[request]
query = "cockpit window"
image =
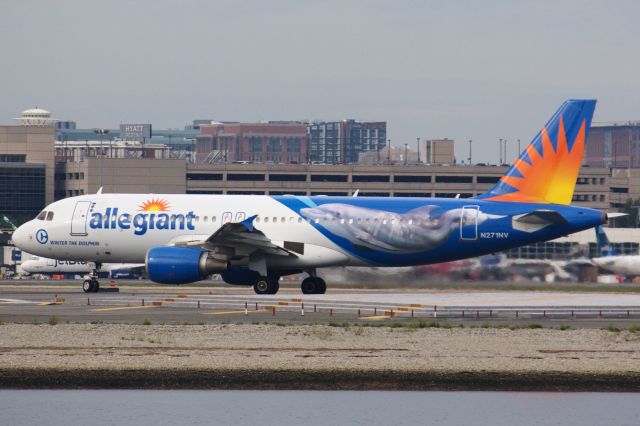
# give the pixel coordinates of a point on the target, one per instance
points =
(50, 216)
(42, 215)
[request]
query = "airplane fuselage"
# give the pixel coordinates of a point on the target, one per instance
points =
(109, 228)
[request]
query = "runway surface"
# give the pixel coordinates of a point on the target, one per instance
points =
(39, 302)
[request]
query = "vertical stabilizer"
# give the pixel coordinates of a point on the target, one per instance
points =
(604, 246)
(547, 169)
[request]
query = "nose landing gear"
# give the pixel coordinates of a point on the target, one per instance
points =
(91, 283)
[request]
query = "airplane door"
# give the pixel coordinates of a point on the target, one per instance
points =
(79, 219)
(469, 223)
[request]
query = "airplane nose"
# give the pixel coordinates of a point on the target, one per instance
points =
(19, 237)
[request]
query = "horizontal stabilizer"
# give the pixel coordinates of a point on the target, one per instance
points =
(536, 220)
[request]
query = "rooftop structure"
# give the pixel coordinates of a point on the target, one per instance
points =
(35, 117)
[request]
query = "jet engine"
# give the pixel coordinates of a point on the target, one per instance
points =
(181, 265)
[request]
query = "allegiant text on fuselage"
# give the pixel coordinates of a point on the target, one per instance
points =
(141, 222)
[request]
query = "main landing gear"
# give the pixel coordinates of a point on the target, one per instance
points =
(269, 284)
(313, 285)
(266, 285)
(91, 283)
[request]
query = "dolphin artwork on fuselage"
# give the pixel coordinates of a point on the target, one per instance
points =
(417, 230)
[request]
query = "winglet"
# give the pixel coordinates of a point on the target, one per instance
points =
(99, 191)
(248, 222)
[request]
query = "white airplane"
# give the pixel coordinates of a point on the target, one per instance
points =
(43, 265)
(628, 265)
(256, 239)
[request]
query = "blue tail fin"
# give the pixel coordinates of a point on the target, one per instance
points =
(547, 169)
(603, 243)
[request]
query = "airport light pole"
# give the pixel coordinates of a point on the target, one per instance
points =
(505, 151)
(470, 151)
(101, 132)
(418, 144)
(500, 150)
(389, 151)
(406, 150)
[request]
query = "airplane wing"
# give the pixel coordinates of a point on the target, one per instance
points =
(237, 240)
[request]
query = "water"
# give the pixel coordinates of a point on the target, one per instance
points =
(310, 408)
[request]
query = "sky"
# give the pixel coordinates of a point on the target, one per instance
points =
(479, 70)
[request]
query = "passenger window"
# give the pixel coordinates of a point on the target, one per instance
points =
(257, 219)
(42, 215)
(213, 218)
(205, 219)
(50, 216)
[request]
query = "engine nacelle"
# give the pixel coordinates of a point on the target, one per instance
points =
(181, 265)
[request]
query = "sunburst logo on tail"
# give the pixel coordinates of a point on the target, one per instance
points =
(550, 174)
(155, 205)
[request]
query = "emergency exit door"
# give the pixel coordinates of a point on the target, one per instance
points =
(469, 223)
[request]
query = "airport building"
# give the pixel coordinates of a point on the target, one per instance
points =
(615, 144)
(124, 175)
(342, 142)
(592, 189)
(437, 151)
(273, 142)
(27, 165)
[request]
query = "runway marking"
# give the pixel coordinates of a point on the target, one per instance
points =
(261, 311)
(519, 299)
(50, 303)
(123, 308)
(17, 302)
(376, 317)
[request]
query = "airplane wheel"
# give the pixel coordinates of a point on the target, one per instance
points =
(96, 286)
(308, 286)
(311, 285)
(87, 286)
(265, 285)
(321, 286)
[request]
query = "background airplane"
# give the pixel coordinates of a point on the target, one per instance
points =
(43, 265)
(255, 240)
(627, 265)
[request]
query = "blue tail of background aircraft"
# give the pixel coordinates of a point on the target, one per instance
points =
(603, 243)
(547, 169)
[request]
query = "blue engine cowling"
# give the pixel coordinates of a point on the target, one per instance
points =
(181, 265)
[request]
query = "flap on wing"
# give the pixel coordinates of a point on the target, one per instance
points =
(536, 220)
